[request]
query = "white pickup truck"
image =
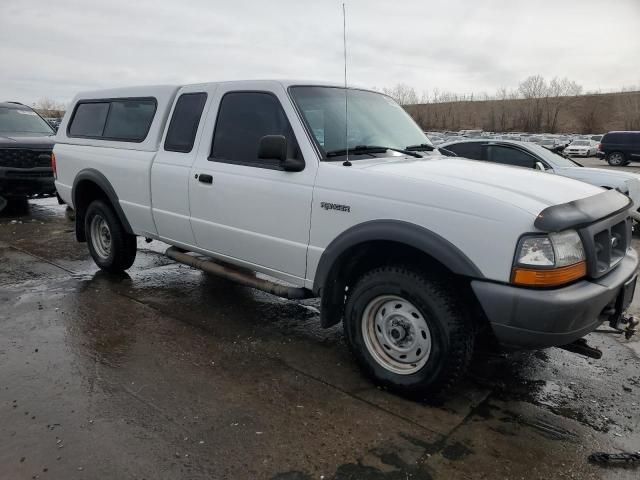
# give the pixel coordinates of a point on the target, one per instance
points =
(415, 253)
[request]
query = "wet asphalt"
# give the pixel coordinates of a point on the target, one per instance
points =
(168, 373)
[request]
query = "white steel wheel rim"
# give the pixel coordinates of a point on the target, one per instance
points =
(100, 236)
(396, 334)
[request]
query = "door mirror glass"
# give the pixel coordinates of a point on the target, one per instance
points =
(273, 147)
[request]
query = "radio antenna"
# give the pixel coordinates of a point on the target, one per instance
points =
(346, 163)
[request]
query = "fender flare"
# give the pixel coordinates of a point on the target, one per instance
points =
(398, 231)
(94, 176)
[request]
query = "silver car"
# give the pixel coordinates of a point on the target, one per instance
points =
(534, 156)
(581, 148)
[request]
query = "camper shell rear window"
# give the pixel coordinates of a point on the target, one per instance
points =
(116, 119)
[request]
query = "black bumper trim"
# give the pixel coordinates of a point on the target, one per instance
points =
(529, 318)
(582, 212)
(26, 181)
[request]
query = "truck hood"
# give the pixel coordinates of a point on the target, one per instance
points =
(529, 190)
(17, 140)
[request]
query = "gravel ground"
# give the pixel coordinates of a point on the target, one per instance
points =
(168, 373)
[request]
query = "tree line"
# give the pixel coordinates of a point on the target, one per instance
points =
(535, 105)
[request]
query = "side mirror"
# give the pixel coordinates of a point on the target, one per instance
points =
(274, 147)
(540, 166)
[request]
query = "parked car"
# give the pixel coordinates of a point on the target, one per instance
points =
(581, 148)
(435, 137)
(535, 157)
(54, 122)
(26, 143)
(619, 148)
(383, 229)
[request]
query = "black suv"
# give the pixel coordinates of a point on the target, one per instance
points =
(619, 148)
(26, 143)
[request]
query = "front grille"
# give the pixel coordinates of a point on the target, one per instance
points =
(25, 158)
(606, 243)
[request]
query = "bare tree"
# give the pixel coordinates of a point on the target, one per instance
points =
(631, 111)
(532, 89)
(403, 94)
(560, 93)
(49, 107)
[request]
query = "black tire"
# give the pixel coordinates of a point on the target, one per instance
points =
(616, 159)
(122, 245)
(449, 327)
(14, 206)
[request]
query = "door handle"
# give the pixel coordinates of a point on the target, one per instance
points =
(204, 178)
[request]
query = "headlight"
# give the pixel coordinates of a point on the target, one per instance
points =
(549, 260)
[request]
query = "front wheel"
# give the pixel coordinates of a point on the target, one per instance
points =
(409, 331)
(112, 248)
(616, 159)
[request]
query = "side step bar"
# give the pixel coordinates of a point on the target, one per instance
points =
(241, 276)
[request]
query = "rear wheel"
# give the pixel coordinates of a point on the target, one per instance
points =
(409, 331)
(112, 248)
(616, 159)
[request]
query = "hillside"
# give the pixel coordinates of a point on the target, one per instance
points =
(595, 113)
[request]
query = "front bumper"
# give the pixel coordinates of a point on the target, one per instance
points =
(525, 318)
(577, 153)
(26, 181)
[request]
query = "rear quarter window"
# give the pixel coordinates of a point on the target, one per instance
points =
(184, 122)
(118, 119)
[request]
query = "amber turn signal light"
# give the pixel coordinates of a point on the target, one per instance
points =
(551, 277)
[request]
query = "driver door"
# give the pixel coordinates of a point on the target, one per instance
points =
(245, 209)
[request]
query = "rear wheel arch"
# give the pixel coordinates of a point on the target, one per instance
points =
(373, 244)
(90, 185)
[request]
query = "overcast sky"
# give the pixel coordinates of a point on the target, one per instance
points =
(55, 48)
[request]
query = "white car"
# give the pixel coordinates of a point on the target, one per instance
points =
(268, 177)
(536, 157)
(581, 148)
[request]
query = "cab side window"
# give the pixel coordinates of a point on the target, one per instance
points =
(510, 156)
(243, 119)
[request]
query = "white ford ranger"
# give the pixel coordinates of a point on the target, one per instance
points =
(417, 254)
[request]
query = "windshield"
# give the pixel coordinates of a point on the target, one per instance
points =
(22, 120)
(555, 159)
(374, 119)
(579, 142)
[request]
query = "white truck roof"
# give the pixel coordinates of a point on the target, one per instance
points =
(164, 96)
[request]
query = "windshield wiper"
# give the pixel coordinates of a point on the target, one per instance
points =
(423, 147)
(364, 149)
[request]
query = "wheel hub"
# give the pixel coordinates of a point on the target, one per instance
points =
(396, 334)
(100, 236)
